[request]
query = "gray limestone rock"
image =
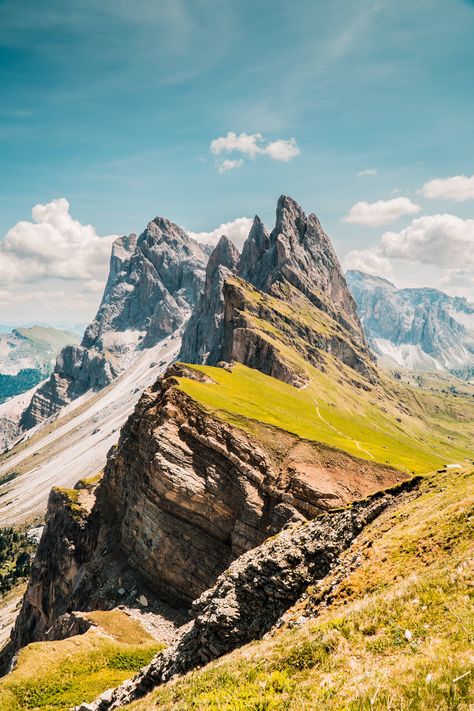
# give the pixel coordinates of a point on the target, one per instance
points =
(420, 329)
(153, 285)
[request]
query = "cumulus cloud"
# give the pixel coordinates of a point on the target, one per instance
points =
(367, 172)
(53, 245)
(459, 188)
(251, 145)
(51, 249)
(282, 150)
(382, 212)
(236, 230)
(442, 244)
(445, 240)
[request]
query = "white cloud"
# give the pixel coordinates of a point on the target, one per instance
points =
(53, 245)
(242, 143)
(370, 261)
(252, 145)
(459, 188)
(367, 171)
(236, 230)
(54, 251)
(445, 241)
(282, 150)
(227, 165)
(436, 249)
(381, 212)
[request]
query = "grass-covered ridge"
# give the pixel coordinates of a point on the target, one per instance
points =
(402, 433)
(59, 675)
(384, 420)
(399, 633)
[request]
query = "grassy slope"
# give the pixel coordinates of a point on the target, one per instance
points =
(59, 675)
(398, 635)
(392, 422)
(419, 443)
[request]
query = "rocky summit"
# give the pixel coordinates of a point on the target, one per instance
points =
(153, 284)
(295, 262)
(418, 329)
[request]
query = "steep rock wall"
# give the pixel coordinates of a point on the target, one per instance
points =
(183, 495)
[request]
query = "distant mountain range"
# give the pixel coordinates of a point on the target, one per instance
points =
(27, 356)
(417, 329)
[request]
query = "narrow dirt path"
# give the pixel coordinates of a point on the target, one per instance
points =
(342, 434)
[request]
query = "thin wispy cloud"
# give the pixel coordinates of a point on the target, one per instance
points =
(367, 172)
(251, 145)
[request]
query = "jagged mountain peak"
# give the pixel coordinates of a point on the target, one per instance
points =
(299, 251)
(225, 253)
(294, 263)
(153, 284)
(253, 250)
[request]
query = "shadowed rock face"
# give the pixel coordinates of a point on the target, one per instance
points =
(295, 261)
(204, 331)
(182, 496)
(153, 285)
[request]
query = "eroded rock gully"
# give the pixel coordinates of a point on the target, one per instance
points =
(182, 496)
(249, 598)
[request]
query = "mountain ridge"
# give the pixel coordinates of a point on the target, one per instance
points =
(153, 284)
(417, 328)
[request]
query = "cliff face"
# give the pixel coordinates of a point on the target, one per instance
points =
(182, 496)
(421, 329)
(293, 264)
(153, 285)
(256, 590)
(204, 332)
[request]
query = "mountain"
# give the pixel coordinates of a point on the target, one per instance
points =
(242, 483)
(295, 264)
(418, 329)
(153, 284)
(27, 356)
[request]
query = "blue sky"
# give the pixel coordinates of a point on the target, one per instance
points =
(114, 105)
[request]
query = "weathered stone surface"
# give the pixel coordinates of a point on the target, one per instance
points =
(153, 285)
(250, 597)
(183, 495)
(203, 334)
(295, 258)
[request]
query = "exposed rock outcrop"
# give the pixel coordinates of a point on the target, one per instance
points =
(420, 329)
(250, 597)
(183, 495)
(153, 285)
(204, 332)
(295, 262)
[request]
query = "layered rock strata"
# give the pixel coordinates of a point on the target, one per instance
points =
(183, 495)
(247, 601)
